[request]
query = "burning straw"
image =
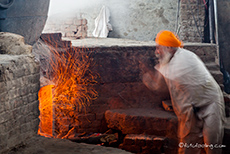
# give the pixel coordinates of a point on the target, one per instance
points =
(68, 71)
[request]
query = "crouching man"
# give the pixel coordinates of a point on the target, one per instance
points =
(196, 97)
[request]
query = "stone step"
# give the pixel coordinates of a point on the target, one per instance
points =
(212, 66)
(214, 69)
(143, 120)
(226, 140)
(227, 104)
(146, 144)
(218, 76)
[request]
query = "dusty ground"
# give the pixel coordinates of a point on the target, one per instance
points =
(42, 145)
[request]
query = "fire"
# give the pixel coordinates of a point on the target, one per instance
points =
(69, 91)
(46, 111)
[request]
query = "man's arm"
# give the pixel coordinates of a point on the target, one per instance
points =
(154, 81)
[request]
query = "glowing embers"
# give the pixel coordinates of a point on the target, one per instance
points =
(69, 73)
(46, 111)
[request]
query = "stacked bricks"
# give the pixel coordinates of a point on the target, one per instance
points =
(119, 85)
(19, 85)
(192, 20)
(71, 27)
(144, 144)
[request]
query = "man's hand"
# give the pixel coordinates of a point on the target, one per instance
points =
(150, 82)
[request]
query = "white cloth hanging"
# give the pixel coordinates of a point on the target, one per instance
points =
(102, 25)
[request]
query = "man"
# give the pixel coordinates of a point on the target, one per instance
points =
(196, 97)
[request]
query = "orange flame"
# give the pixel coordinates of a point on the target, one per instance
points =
(46, 111)
(72, 90)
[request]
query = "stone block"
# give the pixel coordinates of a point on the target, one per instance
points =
(15, 77)
(24, 91)
(32, 97)
(129, 139)
(16, 102)
(34, 124)
(20, 72)
(5, 116)
(21, 119)
(28, 118)
(8, 105)
(16, 112)
(4, 96)
(148, 143)
(25, 100)
(3, 87)
(13, 93)
(14, 132)
(138, 121)
(13, 44)
(15, 141)
(34, 88)
(24, 128)
(3, 130)
(3, 138)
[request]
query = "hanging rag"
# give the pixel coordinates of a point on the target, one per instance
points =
(102, 25)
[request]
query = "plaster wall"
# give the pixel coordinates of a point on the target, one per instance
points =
(130, 19)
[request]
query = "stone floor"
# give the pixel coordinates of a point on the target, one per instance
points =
(42, 145)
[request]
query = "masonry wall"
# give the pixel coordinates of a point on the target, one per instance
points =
(192, 20)
(74, 28)
(19, 85)
(133, 19)
(120, 85)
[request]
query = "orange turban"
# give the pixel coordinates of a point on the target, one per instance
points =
(168, 38)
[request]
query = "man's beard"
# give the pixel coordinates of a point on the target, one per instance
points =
(165, 58)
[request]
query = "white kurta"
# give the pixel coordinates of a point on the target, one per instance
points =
(190, 84)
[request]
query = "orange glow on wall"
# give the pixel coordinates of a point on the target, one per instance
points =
(69, 93)
(46, 111)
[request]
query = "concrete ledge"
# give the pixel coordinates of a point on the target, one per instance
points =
(114, 42)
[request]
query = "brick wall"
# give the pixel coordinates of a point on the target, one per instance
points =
(19, 85)
(192, 18)
(120, 85)
(70, 27)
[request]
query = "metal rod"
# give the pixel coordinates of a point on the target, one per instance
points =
(216, 28)
(210, 21)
